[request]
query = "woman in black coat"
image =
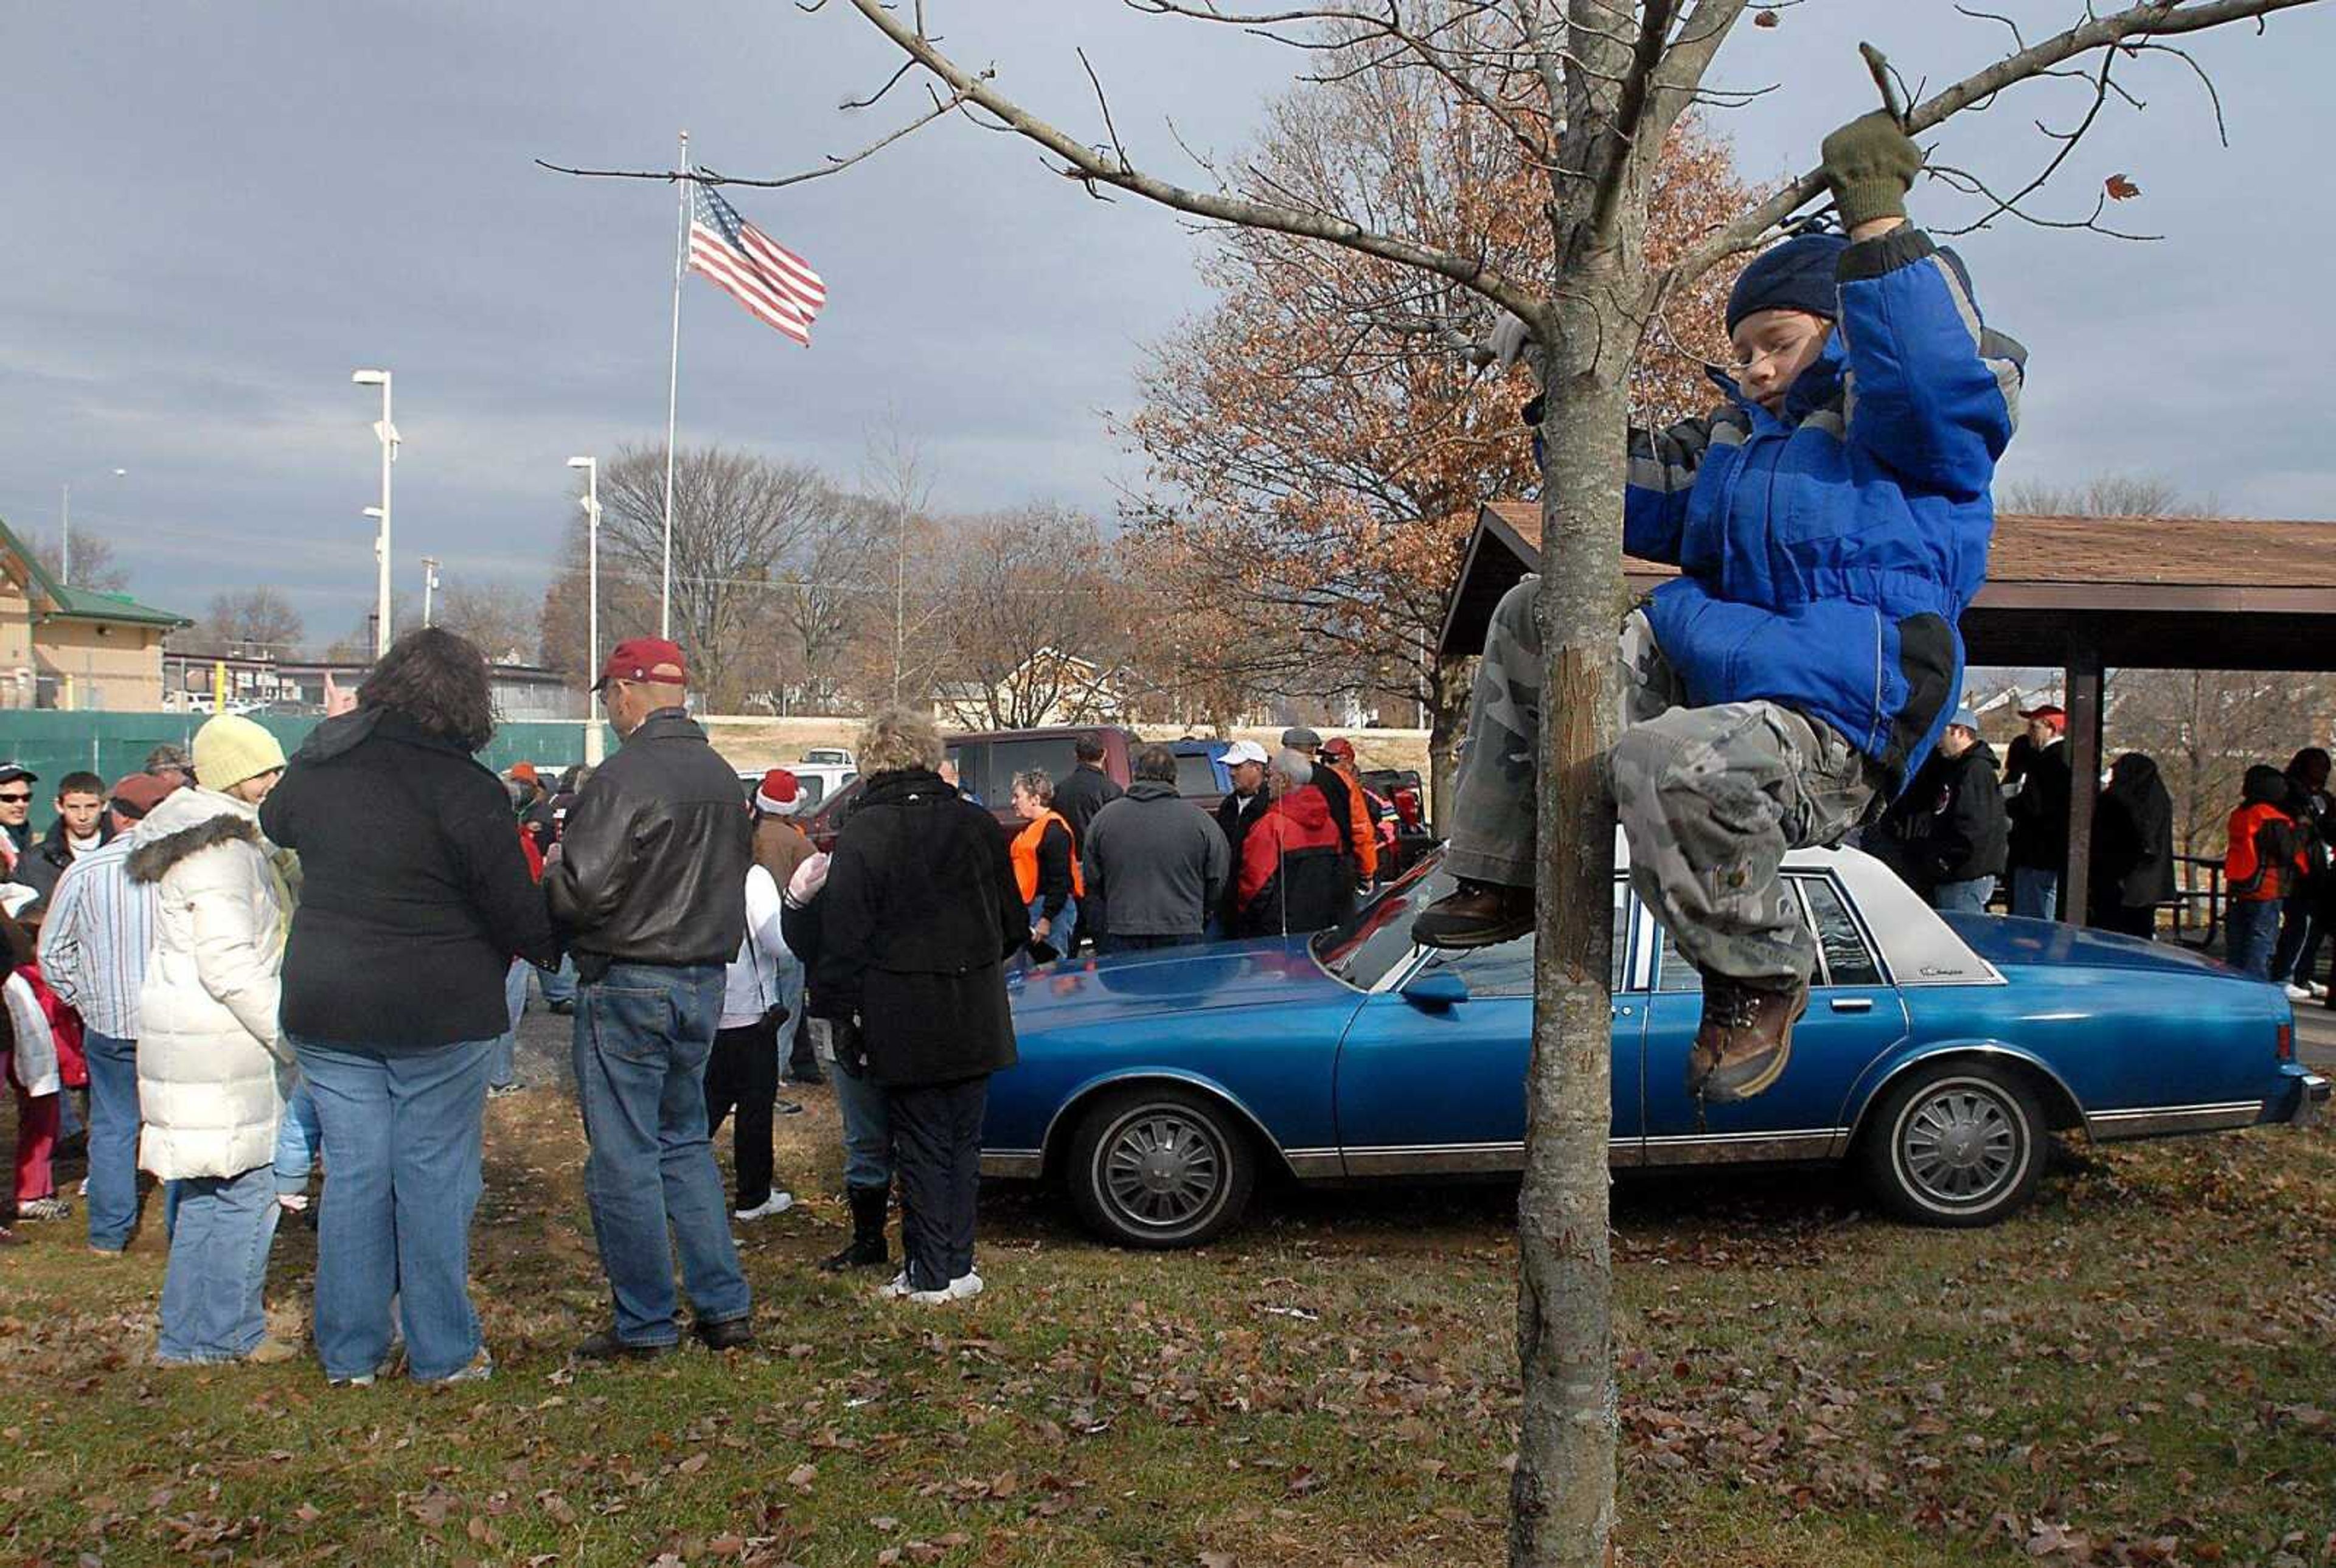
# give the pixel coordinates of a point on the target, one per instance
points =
(2133, 848)
(918, 915)
(414, 897)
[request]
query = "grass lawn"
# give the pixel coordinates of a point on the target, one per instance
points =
(2140, 1370)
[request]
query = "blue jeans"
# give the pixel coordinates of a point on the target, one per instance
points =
(113, 1140)
(1059, 937)
(502, 1066)
(867, 1130)
(1970, 896)
(2254, 930)
(642, 1032)
(401, 1141)
(296, 1141)
(791, 996)
(2035, 892)
(2298, 931)
(212, 1308)
(557, 986)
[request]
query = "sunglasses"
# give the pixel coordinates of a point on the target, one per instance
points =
(16, 799)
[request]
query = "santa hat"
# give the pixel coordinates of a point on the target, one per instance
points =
(778, 795)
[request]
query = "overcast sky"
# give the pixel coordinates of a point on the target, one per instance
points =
(214, 213)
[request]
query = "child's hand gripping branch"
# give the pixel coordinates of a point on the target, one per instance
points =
(1830, 522)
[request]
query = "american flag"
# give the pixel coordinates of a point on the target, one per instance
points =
(774, 283)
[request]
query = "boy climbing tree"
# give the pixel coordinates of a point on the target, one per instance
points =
(1830, 522)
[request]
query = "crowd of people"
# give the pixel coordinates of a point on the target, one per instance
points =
(260, 965)
(1970, 825)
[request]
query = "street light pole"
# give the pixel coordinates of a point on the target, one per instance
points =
(388, 434)
(64, 530)
(591, 468)
(429, 584)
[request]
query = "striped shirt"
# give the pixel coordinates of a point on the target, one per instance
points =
(94, 943)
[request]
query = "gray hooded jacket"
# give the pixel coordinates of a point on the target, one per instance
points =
(1157, 862)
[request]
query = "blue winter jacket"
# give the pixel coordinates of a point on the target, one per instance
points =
(1828, 555)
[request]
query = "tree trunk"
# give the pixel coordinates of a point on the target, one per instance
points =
(1561, 1496)
(1447, 723)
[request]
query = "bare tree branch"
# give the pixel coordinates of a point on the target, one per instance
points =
(2151, 19)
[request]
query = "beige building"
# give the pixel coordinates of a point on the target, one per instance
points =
(74, 647)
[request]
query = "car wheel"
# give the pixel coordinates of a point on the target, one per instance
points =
(1161, 1166)
(1960, 1144)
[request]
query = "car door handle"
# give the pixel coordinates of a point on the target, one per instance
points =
(1852, 1004)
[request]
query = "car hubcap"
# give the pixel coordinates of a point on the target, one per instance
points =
(1163, 1170)
(1960, 1146)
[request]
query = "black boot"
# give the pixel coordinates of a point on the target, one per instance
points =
(867, 1250)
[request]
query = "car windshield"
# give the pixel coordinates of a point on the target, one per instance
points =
(1375, 937)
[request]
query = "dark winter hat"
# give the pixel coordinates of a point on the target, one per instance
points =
(1797, 274)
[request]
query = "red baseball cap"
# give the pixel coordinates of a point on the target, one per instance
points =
(137, 793)
(649, 658)
(2050, 713)
(1339, 746)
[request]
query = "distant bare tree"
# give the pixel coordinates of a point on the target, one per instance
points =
(737, 519)
(260, 620)
(1026, 616)
(2103, 495)
(94, 562)
(504, 619)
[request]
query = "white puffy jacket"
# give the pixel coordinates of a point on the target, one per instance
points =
(213, 1068)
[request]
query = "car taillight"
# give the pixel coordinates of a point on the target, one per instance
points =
(2287, 1042)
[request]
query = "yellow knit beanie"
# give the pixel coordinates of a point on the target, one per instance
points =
(230, 749)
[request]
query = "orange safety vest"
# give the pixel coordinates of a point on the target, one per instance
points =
(1026, 858)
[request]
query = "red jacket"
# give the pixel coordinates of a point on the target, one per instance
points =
(1293, 871)
(2264, 862)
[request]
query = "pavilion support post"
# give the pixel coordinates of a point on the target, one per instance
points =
(2084, 688)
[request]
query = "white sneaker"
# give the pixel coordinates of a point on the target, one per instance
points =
(778, 1203)
(941, 1298)
(2299, 993)
(2316, 989)
(293, 1202)
(965, 1286)
(895, 1289)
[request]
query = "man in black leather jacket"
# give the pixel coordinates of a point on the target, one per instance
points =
(649, 891)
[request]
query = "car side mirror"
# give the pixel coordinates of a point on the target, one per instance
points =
(1436, 991)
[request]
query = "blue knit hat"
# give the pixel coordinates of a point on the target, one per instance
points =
(1797, 274)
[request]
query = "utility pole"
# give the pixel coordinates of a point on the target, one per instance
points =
(429, 585)
(388, 431)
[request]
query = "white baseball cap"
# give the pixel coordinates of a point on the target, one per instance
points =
(1242, 751)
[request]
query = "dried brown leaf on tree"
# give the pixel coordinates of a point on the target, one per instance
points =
(2120, 188)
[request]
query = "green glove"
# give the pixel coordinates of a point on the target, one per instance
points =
(1870, 163)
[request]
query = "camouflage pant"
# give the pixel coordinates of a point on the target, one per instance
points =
(1710, 798)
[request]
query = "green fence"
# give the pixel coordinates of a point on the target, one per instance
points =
(111, 744)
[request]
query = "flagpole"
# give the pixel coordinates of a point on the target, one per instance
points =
(673, 384)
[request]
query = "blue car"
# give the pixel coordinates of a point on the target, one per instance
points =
(1938, 1053)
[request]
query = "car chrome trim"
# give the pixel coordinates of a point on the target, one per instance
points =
(1312, 1163)
(1947, 1051)
(2141, 1121)
(1419, 1159)
(1014, 1164)
(2312, 1096)
(1742, 1148)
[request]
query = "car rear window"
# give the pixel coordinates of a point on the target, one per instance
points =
(1197, 775)
(1053, 753)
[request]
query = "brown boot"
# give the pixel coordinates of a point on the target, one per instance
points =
(1475, 915)
(1744, 1040)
